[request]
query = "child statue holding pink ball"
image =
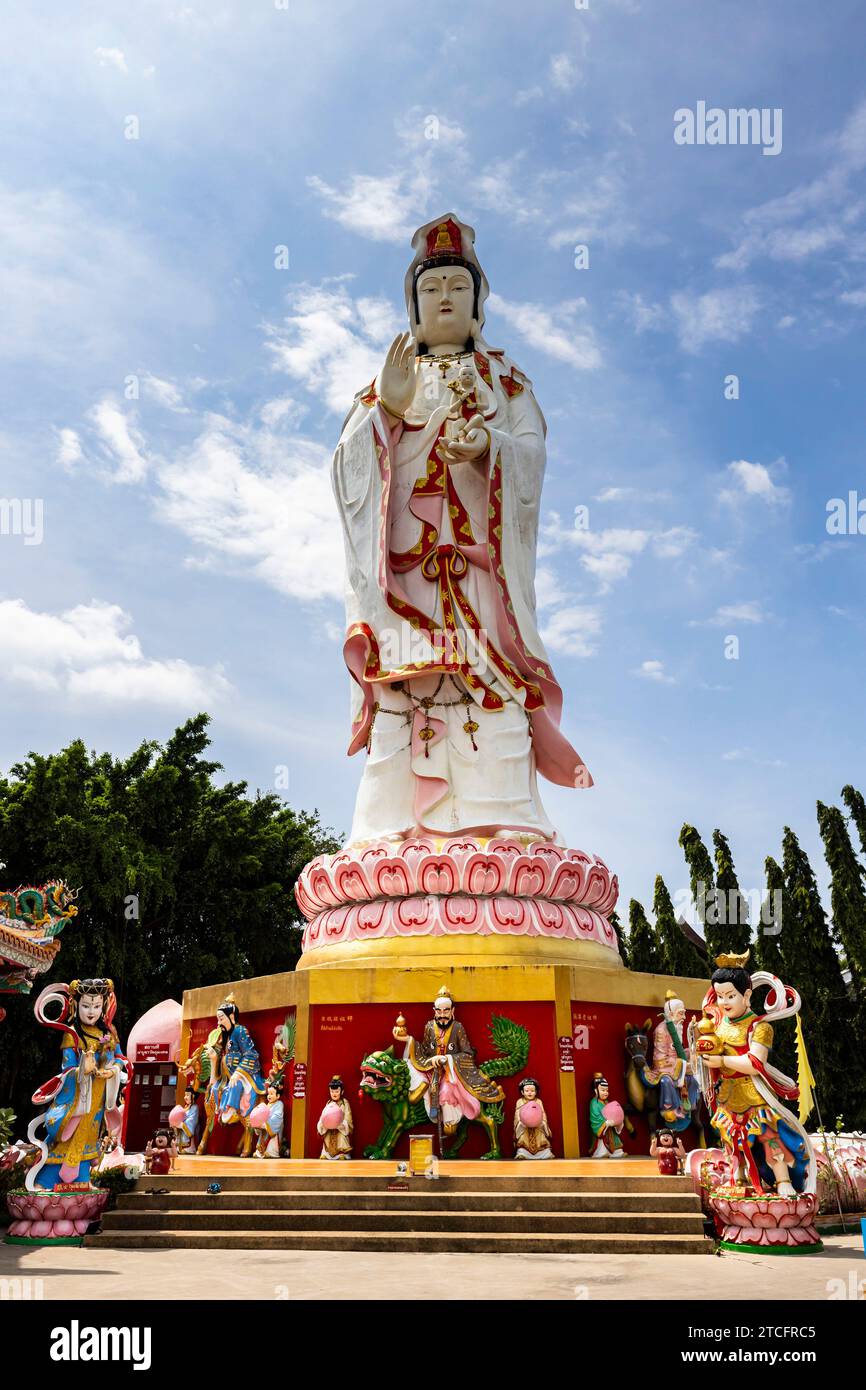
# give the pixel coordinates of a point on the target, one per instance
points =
(269, 1118)
(531, 1131)
(335, 1122)
(606, 1119)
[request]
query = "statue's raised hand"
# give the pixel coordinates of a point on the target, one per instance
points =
(395, 384)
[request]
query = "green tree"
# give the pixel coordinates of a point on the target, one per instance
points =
(678, 953)
(813, 967)
(734, 929)
(702, 884)
(847, 896)
(184, 882)
(621, 938)
(644, 948)
(767, 954)
(856, 804)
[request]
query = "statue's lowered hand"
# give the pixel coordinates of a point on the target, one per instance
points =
(395, 384)
(473, 443)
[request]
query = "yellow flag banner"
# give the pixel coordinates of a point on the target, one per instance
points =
(805, 1079)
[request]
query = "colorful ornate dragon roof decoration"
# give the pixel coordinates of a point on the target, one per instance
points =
(31, 920)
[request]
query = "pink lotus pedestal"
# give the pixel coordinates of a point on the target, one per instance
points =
(457, 890)
(53, 1218)
(766, 1223)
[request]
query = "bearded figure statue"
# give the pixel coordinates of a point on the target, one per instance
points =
(438, 477)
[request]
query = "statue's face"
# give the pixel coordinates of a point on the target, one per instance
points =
(604, 1092)
(187, 1098)
(272, 1095)
(224, 1021)
(90, 1008)
(529, 1092)
(335, 1093)
(666, 1139)
(443, 1013)
(445, 302)
(732, 1003)
(678, 1011)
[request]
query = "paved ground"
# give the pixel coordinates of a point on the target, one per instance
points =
(69, 1273)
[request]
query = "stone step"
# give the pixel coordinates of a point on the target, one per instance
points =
(257, 1180)
(420, 1242)
(422, 1196)
(405, 1219)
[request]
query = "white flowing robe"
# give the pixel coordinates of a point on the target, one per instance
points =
(440, 604)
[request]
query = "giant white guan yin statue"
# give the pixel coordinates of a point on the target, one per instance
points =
(438, 477)
(456, 709)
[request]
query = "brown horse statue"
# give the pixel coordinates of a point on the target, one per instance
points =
(642, 1095)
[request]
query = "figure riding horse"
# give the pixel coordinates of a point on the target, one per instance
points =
(643, 1087)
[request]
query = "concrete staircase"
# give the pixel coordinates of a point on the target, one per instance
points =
(619, 1214)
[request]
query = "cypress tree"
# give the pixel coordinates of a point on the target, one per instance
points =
(733, 907)
(857, 808)
(644, 949)
(678, 953)
(812, 966)
(621, 938)
(847, 895)
(768, 954)
(701, 882)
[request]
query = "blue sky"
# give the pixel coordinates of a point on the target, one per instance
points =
(191, 556)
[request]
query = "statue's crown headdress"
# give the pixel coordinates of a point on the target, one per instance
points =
(98, 986)
(445, 241)
(732, 961)
(444, 996)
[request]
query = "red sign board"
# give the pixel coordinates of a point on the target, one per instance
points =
(566, 1054)
(153, 1052)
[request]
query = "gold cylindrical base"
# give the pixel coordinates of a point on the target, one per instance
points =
(463, 949)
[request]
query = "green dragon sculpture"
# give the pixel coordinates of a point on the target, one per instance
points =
(40, 912)
(387, 1079)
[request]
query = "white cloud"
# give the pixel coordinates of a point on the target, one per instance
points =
(330, 343)
(559, 333)
(382, 208)
(122, 443)
(654, 671)
(564, 72)
(749, 611)
(78, 289)
(643, 316)
(753, 480)
(675, 541)
(165, 393)
(747, 755)
(258, 500)
(721, 315)
(608, 555)
(548, 589)
(420, 128)
(632, 494)
(88, 652)
(590, 206)
(857, 298)
(111, 58)
(573, 631)
(69, 451)
(814, 217)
